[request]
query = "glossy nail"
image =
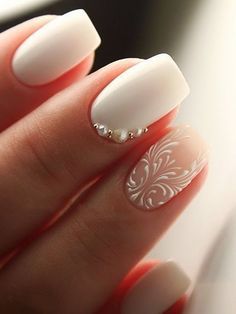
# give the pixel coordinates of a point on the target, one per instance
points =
(55, 48)
(157, 290)
(166, 168)
(138, 97)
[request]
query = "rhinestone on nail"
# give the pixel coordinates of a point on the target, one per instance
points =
(101, 129)
(109, 133)
(137, 132)
(131, 135)
(118, 135)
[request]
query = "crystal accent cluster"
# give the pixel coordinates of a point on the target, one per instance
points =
(118, 135)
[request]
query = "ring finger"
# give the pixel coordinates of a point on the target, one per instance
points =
(82, 258)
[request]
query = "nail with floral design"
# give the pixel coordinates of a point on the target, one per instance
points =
(166, 168)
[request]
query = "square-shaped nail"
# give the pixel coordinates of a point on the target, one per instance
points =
(138, 97)
(55, 48)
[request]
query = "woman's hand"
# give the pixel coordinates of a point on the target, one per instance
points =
(82, 201)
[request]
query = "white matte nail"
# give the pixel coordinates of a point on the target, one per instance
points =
(138, 97)
(55, 48)
(157, 290)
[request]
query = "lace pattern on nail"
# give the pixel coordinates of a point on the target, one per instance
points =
(159, 173)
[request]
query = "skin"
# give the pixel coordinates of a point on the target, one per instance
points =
(82, 261)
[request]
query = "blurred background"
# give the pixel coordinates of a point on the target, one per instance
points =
(201, 36)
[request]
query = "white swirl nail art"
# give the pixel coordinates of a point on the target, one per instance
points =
(160, 174)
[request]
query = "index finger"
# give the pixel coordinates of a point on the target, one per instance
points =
(40, 57)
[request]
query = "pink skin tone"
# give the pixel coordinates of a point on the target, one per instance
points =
(45, 159)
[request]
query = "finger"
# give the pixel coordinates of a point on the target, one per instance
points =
(55, 150)
(151, 287)
(114, 303)
(158, 290)
(49, 51)
(109, 231)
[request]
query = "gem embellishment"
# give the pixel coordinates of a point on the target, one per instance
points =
(137, 132)
(102, 129)
(118, 135)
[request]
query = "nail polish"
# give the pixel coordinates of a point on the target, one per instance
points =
(55, 48)
(157, 290)
(138, 97)
(166, 168)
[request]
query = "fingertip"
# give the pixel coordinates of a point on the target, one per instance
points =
(157, 289)
(178, 307)
(18, 97)
(166, 278)
(114, 303)
(55, 48)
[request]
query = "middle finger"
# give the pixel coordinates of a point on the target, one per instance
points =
(51, 153)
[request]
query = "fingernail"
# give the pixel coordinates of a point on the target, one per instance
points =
(166, 168)
(138, 97)
(157, 290)
(55, 48)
